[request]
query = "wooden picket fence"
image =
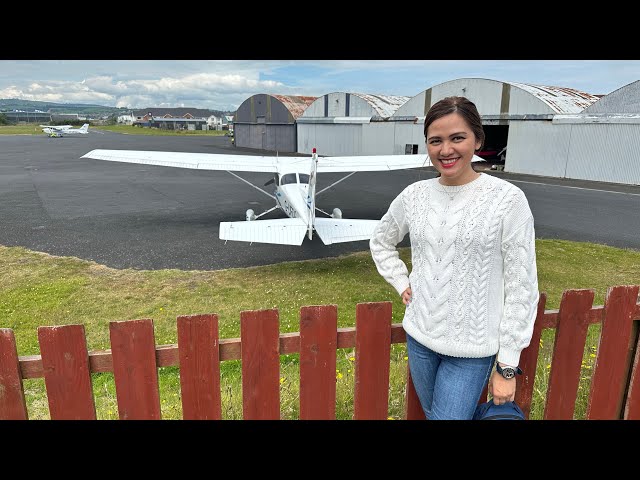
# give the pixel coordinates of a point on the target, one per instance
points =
(134, 359)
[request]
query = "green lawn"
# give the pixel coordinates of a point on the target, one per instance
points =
(38, 289)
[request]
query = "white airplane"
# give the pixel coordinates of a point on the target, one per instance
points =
(61, 130)
(295, 190)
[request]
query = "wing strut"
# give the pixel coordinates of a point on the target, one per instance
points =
(334, 183)
(251, 184)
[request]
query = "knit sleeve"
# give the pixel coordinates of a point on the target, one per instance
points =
(390, 231)
(520, 282)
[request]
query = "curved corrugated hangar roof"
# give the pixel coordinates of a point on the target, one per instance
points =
(296, 104)
(354, 104)
(504, 99)
(268, 122)
(626, 99)
(274, 108)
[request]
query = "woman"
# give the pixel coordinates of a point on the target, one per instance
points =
(472, 294)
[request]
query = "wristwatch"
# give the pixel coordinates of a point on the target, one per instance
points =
(508, 372)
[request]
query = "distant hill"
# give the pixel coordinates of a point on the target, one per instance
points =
(51, 107)
(79, 108)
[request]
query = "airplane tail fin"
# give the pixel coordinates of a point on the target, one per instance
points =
(84, 128)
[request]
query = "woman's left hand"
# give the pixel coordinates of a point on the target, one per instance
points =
(501, 389)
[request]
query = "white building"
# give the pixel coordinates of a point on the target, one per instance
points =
(126, 119)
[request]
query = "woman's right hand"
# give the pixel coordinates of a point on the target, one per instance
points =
(406, 296)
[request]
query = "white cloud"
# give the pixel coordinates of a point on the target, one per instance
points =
(224, 85)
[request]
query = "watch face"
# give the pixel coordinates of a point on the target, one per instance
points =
(508, 372)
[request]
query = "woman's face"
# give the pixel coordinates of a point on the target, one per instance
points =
(451, 145)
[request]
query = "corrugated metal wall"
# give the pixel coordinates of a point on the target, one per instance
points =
(378, 138)
(407, 133)
(605, 152)
(537, 148)
(330, 138)
(280, 138)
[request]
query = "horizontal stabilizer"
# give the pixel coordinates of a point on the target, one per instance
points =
(337, 230)
(282, 231)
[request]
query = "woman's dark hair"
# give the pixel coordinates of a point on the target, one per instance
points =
(461, 105)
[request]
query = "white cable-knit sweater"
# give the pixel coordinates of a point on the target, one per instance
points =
(474, 279)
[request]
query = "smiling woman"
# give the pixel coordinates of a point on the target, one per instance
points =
(472, 294)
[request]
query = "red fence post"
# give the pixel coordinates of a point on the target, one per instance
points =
(12, 401)
(318, 342)
(260, 364)
(67, 375)
(135, 369)
(609, 382)
(199, 367)
(373, 354)
(568, 350)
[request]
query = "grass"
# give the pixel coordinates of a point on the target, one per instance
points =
(38, 289)
(35, 129)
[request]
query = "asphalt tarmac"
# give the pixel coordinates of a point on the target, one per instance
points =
(150, 217)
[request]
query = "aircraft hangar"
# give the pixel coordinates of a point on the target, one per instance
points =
(600, 143)
(505, 108)
(547, 130)
(268, 122)
(347, 123)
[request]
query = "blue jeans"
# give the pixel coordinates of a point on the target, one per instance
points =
(448, 387)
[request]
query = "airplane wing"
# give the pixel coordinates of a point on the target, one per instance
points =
(337, 230)
(282, 231)
(256, 163)
(56, 127)
(198, 161)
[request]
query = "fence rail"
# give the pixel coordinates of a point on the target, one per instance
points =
(134, 359)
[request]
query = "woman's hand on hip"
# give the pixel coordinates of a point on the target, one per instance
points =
(406, 296)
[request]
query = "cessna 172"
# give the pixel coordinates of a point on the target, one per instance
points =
(295, 190)
(61, 130)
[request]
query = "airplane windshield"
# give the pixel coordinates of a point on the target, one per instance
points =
(288, 178)
(304, 178)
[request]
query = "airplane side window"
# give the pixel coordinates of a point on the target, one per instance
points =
(304, 177)
(288, 178)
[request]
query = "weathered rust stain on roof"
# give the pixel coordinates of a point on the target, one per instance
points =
(296, 104)
(560, 99)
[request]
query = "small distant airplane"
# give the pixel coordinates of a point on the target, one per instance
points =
(61, 130)
(295, 190)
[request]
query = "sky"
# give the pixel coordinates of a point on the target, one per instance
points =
(225, 84)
